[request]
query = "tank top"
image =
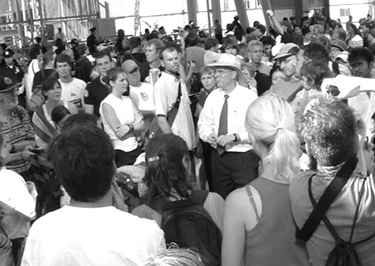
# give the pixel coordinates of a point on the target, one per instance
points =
(125, 113)
(272, 241)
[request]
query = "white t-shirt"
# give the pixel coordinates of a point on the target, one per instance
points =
(92, 237)
(15, 200)
(144, 97)
(72, 94)
(166, 93)
(126, 113)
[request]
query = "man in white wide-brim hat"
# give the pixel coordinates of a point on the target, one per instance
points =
(222, 125)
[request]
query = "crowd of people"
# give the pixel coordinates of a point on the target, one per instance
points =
(249, 147)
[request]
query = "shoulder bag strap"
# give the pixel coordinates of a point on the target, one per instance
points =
(329, 195)
(252, 202)
(171, 115)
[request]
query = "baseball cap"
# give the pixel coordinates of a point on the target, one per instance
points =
(287, 50)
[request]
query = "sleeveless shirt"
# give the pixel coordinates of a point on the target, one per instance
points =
(272, 241)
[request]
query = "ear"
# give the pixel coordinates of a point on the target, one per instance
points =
(186, 162)
(111, 83)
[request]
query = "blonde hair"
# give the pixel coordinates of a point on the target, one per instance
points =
(270, 121)
(176, 257)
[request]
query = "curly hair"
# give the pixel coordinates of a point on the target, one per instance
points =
(329, 130)
(165, 171)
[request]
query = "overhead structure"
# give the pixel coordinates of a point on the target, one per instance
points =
(192, 10)
(216, 10)
(242, 13)
(40, 17)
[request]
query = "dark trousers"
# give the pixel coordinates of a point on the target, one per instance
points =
(126, 158)
(232, 170)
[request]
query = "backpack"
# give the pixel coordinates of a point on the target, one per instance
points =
(188, 225)
(344, 252)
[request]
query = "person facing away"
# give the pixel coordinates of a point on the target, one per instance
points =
(330, 134)
(89, 231)
(258, 223)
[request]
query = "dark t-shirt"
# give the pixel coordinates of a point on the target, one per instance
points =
(96, 92)
(83, 69)
(264, 82)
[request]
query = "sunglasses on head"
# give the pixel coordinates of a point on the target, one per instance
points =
(133, 70)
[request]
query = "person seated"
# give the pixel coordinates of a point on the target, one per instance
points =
(90, 230)
(258, 223)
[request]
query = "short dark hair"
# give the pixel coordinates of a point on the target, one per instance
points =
(80, 119)
(59, 113)
(135, 42)
(164, 166)
(267, 40)
(210, 42)
(49, 83)
(83, 160)
(191, 40)
(316, 53)
(102, 54)
(315, 71)
(329, 130)
(64, 58)
(360, 53)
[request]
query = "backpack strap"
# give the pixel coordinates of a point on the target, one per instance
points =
(199, 196)
(252, 202)
(329, 225)
(325, 201)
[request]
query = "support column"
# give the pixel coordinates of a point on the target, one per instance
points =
(242, 13)
(192, 10)
(326, 8)
(216, 10)
(298, 12)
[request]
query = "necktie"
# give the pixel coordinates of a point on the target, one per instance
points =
(223, 124)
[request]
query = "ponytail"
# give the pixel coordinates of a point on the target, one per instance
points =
(284, 152)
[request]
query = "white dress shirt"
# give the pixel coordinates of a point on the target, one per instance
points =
(238, 102)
